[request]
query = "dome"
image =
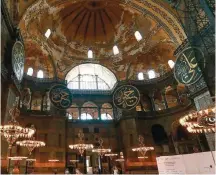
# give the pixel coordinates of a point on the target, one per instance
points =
(143, 36)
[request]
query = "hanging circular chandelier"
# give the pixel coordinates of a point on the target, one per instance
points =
(17, 157)
(110, 155)
(100, 150)
(53, 160)
(30, 144)
(12, 130)
(202, 121)
(142, 149)
(81, 147)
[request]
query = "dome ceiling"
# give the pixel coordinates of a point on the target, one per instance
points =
(77, 26)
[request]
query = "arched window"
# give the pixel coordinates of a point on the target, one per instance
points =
(106, 116)
(106, 111)
(70, 117)
(73, 111)
(30, 71)
(140, 76)
(151, 74)
(115, 50)
(48, 33)
(171, 64)
(91, 109)
(40, 74)
(86, 116)
(36, 101)
(138, 36)
(90, 54)
(91, 76)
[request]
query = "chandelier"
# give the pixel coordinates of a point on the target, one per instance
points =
(142, 149)
(100, 150)
(12, 130)
(110, 155)
(202, 121)
(81, 146)
(31, 144)
(17, 157)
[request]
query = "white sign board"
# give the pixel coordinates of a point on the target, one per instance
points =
(213, 155)
(171, 165)
(196, 163)
(191, 164)
(205, 163)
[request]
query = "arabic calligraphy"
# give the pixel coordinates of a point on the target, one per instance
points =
(126, 97)
(18, 60)
(186, 68)
(60, 97)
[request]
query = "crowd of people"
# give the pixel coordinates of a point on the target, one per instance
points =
(96, 170)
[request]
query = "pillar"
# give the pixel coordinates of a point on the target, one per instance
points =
(151, 96)
(99, 113)
(177, 95)
(84, 161)
(163, 94)
(79, 113)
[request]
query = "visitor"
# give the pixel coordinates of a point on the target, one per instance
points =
(115, 170)
(77, 171)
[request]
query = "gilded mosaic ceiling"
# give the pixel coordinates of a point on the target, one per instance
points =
(80, 25)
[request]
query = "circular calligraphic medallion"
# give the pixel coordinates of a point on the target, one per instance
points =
(60, 96)
(126, 97)
(186, 69)
(18, 60)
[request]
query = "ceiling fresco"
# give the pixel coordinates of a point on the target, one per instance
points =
(80, 25)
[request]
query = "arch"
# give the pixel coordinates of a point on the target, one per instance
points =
(159, 134)
(106, 106)
(91, 109)
(73, 111)
(106, 111)
(30, 71)
(89, 104)
(91, 76)
(40, 74)
(36, 101)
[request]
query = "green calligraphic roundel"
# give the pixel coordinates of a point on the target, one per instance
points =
(126, 97)
(18, 60)
(186, 69)
(60, 96)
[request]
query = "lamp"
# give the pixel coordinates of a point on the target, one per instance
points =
(142, 149)
(202, 121)
(12, 130)
(31, 144)
(100, 150)
(81, 146)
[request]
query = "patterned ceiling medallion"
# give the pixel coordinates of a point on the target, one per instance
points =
(126, 97)
(18, 60)
(186, 69)
(60, 96)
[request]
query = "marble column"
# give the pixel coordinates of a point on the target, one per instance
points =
(177, 95)
(164, 99)
(99, 113)
(151, 96)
